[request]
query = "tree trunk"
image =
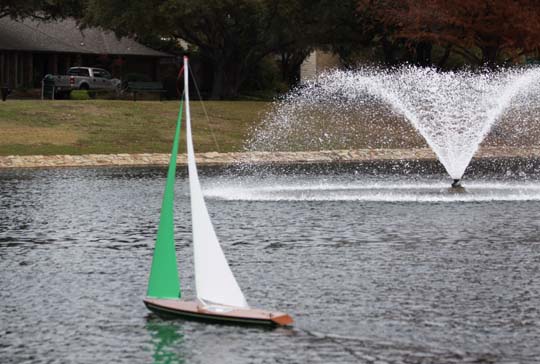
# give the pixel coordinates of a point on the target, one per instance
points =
(290, 66)
(389, 52)
(489, 56)
(444, 58)
(227, 79)
(423, 54)
(218, 80)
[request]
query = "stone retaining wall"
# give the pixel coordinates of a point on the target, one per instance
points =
(214, 158)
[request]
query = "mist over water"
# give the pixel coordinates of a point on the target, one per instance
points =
(391, 191)
(380, 181)
(452, 112)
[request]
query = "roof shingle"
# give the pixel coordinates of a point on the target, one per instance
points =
(64, 36)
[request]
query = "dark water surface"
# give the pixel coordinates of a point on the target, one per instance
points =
(374, 268)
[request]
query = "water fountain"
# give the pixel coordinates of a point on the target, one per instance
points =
(452, 111)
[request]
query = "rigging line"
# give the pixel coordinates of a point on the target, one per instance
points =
(205, 112)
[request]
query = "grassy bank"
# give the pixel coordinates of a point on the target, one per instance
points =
(30, 127)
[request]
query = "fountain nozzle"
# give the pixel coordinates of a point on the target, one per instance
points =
(456, 183)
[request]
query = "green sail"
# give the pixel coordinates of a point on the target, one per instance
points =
(164, 281)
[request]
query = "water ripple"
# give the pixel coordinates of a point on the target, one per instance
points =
(399, 282)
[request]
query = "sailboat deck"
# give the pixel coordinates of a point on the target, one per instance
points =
(193, 310)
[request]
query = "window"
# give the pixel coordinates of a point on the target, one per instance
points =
(101, 73)
(78, 72)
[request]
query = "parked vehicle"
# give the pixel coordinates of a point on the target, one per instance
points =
(84, 78)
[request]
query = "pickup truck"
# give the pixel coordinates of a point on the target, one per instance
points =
(84, 78)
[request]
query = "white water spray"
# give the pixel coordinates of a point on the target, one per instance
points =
(453, 111)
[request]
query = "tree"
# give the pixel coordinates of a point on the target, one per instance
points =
(42, 9)
(344, 29)
(485, 32)
(354, 30)
(298, 34)
(233, 36)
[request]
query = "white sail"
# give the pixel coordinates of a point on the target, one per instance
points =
(214, 281)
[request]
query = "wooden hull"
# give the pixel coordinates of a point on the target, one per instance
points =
(193, 310)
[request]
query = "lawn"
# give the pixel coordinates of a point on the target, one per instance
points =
(30, 127)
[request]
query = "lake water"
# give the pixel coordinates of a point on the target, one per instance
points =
(375, 266)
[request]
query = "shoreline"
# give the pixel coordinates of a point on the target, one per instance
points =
(224, 159)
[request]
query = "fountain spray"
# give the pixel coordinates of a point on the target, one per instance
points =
(453, 111)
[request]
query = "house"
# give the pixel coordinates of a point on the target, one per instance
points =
(316, 63)
(30, 49)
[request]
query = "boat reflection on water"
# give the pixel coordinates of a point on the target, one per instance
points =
(167, 340)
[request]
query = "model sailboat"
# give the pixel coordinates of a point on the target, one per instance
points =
(219, 297)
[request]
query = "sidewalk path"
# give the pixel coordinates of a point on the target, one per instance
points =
(214, 158)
